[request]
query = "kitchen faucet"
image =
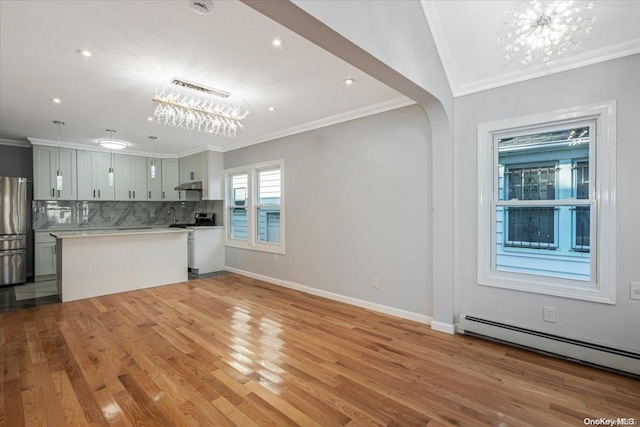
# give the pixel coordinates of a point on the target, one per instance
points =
(171, 208)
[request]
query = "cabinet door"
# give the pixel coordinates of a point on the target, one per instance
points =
(45, 259)
(43, 170)
(186, 169)
(85, 175)
(215, 190)
(101, 163)
(154, 182)
(69, 191)
(139, 178)
(122, 174)
(170, 180)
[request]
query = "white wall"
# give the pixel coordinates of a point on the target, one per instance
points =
(341, 228)
(613, 325)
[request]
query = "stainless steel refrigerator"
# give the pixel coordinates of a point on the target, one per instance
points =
(13, 230)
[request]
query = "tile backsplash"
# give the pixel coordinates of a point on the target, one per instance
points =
(92, 214)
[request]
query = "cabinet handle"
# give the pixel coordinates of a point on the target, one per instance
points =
(98, 194)
(163, 194)
(179, 195)
(94, 194)
(193, 176)
(129, 193)
(53, 192)
(58, 194)
(134, 194)
(149, 194)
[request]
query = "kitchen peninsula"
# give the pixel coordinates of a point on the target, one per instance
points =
(102, 262)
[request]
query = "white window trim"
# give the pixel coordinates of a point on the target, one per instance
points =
(603, 269)
(252, 242)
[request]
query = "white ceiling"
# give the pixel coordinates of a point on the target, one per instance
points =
(138, 45)
(466, 34)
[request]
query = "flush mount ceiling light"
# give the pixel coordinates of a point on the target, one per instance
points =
(195, 107)
(349, 82)
(276, 42)
(56, 100)
(110, 143)
(545, 29)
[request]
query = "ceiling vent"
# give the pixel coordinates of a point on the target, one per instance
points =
(201, 7)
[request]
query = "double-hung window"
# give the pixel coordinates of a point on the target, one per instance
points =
(546, 190)
(254, 206)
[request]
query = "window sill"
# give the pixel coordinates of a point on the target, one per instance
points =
(260, 247)
(549, 286)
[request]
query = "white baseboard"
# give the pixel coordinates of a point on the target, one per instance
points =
(335, 297)
(448, 328)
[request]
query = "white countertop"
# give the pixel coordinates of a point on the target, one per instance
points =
(112, 232)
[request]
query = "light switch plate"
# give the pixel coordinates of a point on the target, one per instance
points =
(634, 290)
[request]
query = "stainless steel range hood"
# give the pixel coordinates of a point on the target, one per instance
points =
(190, 186)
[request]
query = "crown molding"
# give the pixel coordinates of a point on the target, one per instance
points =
(75, 146)
(15, 143)
(441, 44)
(629, 48)
(214, 148)
(328, 121)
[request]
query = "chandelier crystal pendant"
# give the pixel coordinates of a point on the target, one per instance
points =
(194, 107)
(545, 29)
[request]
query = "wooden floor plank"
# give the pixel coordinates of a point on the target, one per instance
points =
(234, 351)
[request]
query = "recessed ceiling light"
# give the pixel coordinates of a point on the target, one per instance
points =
(85, 53)
(112, 145)
(56, 100)
(272, 108)
(349, 82)
(276, 42)
(150, 119)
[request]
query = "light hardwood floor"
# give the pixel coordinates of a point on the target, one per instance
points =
(229, 350)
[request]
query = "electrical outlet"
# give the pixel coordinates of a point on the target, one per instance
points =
(634, 290)
(375, 282)
(549, 314)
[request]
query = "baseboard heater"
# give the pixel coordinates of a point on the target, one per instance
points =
(580, 351)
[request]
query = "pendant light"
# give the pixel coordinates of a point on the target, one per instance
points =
(111, 175)
(58, 172)
(153, 162)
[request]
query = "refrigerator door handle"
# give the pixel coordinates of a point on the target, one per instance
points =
(9, 238)
(12, 253)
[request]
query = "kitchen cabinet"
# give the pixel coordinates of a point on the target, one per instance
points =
(130, 177)
(154, 181)
(45, 256)
(206, 249)
(93, 176)
(46, 162)
(208, 168)
(170, 180)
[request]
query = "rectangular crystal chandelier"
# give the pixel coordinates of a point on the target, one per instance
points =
(195, 107)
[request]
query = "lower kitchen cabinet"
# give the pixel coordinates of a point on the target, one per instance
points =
(206, 249)
(46, 256)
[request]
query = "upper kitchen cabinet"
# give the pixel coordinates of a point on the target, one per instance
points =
(170, 180)
(130, 177)
(206, 167)
(47, 161)
(154, 179)
(93, 176)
